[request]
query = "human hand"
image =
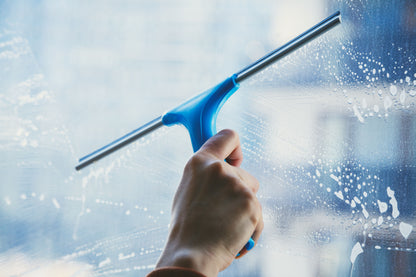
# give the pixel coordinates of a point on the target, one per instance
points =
(215, 209)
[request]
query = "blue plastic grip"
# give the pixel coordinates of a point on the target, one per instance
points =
(199, 114)
(250, 244)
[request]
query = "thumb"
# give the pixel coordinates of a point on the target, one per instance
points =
(225, 145)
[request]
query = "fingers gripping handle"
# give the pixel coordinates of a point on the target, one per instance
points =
(199, 116)
(249, 245)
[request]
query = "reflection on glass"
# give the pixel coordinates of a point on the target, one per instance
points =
(329, 132)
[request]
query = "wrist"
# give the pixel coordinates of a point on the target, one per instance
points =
(188, 258)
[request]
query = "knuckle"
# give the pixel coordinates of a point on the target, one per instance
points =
(217, 169)
(194, 162)
(255, 185)
(248, 199)
(252, 207)
(249, 195)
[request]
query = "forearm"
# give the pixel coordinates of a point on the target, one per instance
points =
(174, 272)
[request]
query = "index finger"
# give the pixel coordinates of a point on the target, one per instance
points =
(225, 145)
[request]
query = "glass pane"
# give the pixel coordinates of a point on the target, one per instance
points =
(329, 132)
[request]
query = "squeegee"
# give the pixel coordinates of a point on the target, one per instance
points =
(199, 114)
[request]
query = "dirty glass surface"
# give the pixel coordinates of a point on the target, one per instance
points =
(329, 132)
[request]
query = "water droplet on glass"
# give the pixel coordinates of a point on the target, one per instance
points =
(393, 90)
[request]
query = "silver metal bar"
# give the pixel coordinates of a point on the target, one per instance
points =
(289, 47)
(119, 143)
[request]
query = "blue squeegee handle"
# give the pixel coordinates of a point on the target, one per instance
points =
(199, 114)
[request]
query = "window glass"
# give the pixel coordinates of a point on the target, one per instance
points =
(329, 131)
